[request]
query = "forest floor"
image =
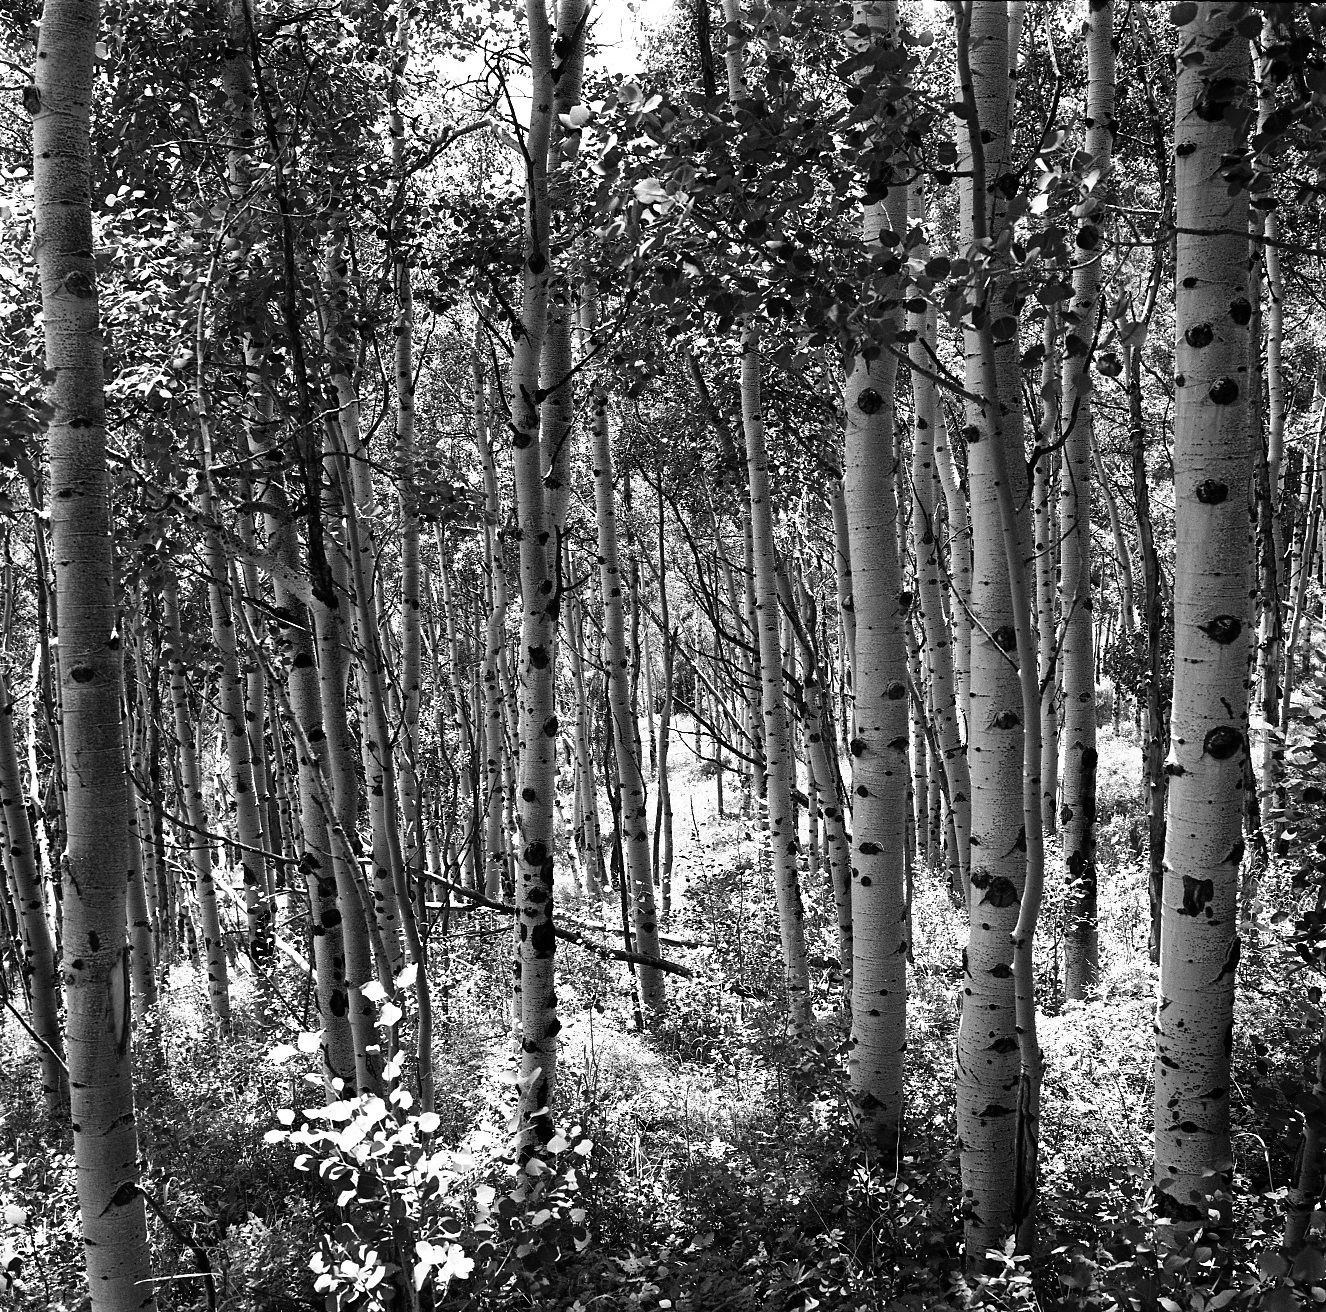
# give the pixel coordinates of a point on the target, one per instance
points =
(724, 1174)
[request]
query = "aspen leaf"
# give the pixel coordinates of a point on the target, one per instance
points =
(309, 1041)
(282, 1054)
(389, 1014)
(429, 1122)
(15, 1215)
(286, 1116)
(100, 51)
(374, 991)
(405, 980)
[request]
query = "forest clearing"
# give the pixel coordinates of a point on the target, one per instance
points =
(662, 657)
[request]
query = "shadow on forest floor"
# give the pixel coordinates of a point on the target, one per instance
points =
(724, 1173)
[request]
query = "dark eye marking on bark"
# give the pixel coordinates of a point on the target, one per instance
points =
(1199, 335)
(869, 401)
(1001, 892)
(1222, 742)
(1197, 893)
(1211, 492)
(1224, 391)
(1222, 628)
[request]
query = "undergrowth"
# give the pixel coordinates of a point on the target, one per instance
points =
(713, 1164)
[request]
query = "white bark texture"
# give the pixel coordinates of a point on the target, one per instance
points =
(779, 763)
(988, 1067)
(1213, 466)
(1077, 773)
(879, 744)
(95, 963)
(538, 627)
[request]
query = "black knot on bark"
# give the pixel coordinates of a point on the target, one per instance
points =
(82, 674)
(1211, 492)
(1224, 391)
(550, 727)
(896, 691)
(1222, 628)
(1005, 638)
(1240, 310)
(1199, 335)
(869, 401)
(1222, 742)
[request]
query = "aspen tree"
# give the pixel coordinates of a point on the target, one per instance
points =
(1213, 464)
(406, 494)
(557, 410)
(231, 691)
(998, 1065)
(588, 834)
(200, 851)
(35, 930)
(495, 752)
(959, 572)
(142, 950)
(880, 738)
(1077, 774)
(826, 781)
(539, 604)
(1046, 525)
(927, 420)
(634, 814)
(776, 775)
(95, 965)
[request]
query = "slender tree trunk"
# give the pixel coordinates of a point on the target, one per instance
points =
(779, 765)
(38, 948)
(1213, 470)
(1079, 755)
(1046, 546)
(496, 753)
(200, 851)
(539, 606)
(95, 966)
(880, 739)
(939, 650)
(995, 1129)
(959, 573)
(616, 663)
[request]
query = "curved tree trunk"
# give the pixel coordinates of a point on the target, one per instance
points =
(1212, 481)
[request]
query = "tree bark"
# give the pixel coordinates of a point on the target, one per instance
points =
(1213, 463)
(95, 965)
(1077, 776)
